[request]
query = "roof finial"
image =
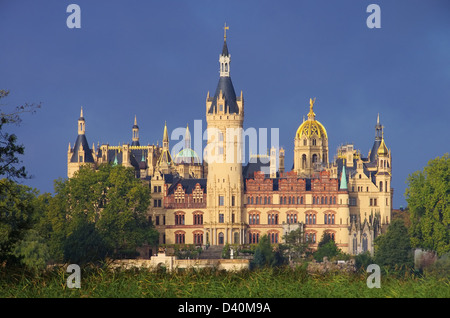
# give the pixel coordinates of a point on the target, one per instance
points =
(225, 28)
(166, 135)
(81, 113)
(135, 121)
(378, 119)
(311, 114)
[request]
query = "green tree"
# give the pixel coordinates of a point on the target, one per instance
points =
(99, 213)
(428, 197)
(393, 248)
(18, 214)
(265, 255)
(295, 246)
(326, 248)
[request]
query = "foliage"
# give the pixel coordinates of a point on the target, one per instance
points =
(107, 206)
(187, 251)
(265, 255)
(32, 251)
(326, 248)
(393, 248)
(226, 253)
(9, 149)
(441, 268)
(18, 214)
(295, 246)
(363, 260)
(428, 197)
(268, 282)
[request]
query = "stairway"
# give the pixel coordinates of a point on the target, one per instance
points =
(213, 252)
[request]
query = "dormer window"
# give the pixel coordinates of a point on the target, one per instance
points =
(221, 107)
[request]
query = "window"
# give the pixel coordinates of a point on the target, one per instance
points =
(157, 220)
(273, 238)
(179, 238)
(221, 218)
(179, 219)
(198, 218)
(222, 200)
(198, 238)
(253, 238)
(233, 199)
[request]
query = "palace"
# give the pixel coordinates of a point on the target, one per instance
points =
(222, 201)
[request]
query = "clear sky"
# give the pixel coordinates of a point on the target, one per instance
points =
(158, 59)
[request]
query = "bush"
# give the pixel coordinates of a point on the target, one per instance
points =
(441, 268)
(326, 248)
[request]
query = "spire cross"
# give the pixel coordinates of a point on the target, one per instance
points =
(225, 28)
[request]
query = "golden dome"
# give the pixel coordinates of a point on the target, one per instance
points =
(311, 126)
(382, 150)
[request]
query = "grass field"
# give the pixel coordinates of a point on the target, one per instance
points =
(262, 283)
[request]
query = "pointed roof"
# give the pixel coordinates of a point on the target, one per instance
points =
(165, 135)
(81, 114)
(377, 142)
(82, 142)
(225, 49)
(225, 87)
(135, 123)
(382, 150)
(343, 183)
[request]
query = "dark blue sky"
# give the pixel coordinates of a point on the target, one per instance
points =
(158, 60)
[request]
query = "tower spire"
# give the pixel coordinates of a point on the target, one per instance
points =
(187, 138)
(81, 123)
(224, 58)
(135, 133)
(165, 137)
(343, 184)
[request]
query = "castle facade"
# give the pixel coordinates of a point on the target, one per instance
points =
(220, 200)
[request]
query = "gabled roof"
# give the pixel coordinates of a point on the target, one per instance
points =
(187, 184)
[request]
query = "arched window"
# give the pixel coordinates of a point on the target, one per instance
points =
(226, 67)
(304, 161)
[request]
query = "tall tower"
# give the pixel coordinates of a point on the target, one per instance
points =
(223, 153)
(383, 176)
(310, 145)
(80, 154)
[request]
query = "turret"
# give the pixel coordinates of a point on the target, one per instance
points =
(135, 133)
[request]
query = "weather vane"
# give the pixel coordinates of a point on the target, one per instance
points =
(225, 28)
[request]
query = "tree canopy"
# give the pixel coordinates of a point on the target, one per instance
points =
(393, 248)
(428, 197)
(106, 207)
